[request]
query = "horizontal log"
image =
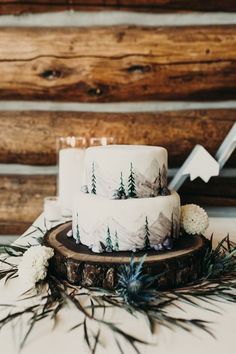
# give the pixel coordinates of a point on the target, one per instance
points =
(22, 200)
(209, 200)
(218, 192)
(35, 6)
(127, 63)
(217, 186)
(22, 197)
(13, 227)
(30, 137)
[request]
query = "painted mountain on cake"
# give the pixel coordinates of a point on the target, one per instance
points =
(125, 237)
(129, 184)
(113, 236)
(98, 184)
(151, 188)
(159, 229)
(175, 222)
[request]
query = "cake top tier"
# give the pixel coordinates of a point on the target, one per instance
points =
(126, 171)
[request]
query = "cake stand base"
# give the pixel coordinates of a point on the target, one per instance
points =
(79, 265)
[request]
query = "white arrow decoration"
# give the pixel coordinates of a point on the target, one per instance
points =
(198, 164)
(227, 147)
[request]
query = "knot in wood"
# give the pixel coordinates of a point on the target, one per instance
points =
(51, 74)
(96, 91)
(139, 69)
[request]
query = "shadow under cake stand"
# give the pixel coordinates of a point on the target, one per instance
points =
(79, 265)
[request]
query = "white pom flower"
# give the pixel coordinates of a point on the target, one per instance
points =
(34, 264)
(194, 219)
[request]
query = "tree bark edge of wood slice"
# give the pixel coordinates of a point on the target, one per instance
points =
(79, 265)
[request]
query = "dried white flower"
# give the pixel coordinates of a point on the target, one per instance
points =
(34, 264)
(194, 219)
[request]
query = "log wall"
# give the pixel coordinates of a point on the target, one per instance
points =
(128, 64)
(29, 137)
(34, 6)
(97, 65)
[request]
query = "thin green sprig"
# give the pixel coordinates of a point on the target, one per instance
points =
(221, 260)
(74, 297)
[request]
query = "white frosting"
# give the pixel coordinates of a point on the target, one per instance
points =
(105, 164)
(126, 221)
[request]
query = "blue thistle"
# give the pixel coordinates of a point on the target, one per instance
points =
(135, 286)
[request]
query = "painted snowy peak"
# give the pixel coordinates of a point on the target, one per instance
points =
(106, 225)
(126, 171)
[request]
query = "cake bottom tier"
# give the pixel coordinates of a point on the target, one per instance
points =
(133, 224)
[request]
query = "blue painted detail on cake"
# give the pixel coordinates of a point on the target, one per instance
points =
(168, 243)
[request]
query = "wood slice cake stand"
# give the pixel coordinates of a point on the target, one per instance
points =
(79, 265)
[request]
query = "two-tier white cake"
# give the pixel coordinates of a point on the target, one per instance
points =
(125, 203)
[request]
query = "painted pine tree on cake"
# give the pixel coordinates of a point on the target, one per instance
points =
(108, 241)
(164, 175)
(163, 189)
(172, 232)
(159, 181)
(93, 190)
(116, 243)
(131, 184)
(77, 239)
(121, 189)
(146, 234)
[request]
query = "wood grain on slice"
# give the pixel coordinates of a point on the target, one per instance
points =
(128, 63)
(33, 6)
(22, 197)
(30, 137)
(79, 265)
